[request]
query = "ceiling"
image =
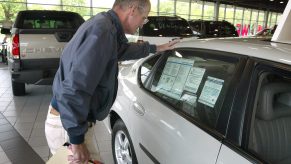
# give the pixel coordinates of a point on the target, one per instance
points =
(272, 5)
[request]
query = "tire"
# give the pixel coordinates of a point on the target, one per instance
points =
(122, 153)
(18, 89)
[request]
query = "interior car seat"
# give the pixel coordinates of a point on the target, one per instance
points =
(271, 133)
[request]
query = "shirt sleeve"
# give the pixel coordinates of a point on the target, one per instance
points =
(131, 51)
(91, 57)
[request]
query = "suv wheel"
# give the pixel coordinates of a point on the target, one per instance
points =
(123, 151)
(18, 89)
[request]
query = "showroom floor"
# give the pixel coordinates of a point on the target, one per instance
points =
(22, 138)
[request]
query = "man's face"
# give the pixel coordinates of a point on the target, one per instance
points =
(137, 19)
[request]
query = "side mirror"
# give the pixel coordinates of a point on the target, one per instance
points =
(5, 31)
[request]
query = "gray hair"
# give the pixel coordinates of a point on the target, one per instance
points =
(141, 4)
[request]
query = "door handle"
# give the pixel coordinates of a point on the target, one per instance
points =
(138, 108)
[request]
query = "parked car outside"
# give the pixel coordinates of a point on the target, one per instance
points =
(162, 29)
(213, 29)
(207, 101)
(38, 39)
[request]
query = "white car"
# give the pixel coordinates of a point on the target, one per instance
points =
(206, 102)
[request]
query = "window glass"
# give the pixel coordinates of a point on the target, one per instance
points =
(270, 134)
(196, 10)
(12, 10)
(103, 3)
(154, 7)
(208, 11)
(52, 2)
(229, 13)
(69, 3)
(221, 15)
(182, 9)
(238, 19)
(51, 21)
(192, 84)
(167, 7)
(83, 11)
(42, 7)
(245, 29)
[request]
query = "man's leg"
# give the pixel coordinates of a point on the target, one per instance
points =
(55, 133)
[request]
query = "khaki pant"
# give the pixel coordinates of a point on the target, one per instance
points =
(56, 135)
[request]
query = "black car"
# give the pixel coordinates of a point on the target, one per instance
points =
(213, 29)
(166, 26)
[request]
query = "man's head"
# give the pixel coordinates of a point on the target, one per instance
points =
(132, 13)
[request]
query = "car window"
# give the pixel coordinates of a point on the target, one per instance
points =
(49, 20)
(193, 84)
(270, 134)
(166, 27)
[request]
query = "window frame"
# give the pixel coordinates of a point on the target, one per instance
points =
(220, 130)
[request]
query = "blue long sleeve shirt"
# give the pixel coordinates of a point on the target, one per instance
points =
(85, 84)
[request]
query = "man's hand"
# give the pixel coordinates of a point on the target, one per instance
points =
(167, 46)
(80, 155)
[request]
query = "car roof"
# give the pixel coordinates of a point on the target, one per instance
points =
(253, 47)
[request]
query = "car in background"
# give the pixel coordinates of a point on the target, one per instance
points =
(266, 32)
(38, 39)
(162, 29)
(207, 101)
(213, 29)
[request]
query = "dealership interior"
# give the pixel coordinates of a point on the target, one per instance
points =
(22, 118)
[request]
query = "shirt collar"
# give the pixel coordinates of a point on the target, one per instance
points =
(120, 33)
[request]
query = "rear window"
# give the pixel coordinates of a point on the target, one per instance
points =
(166, 27)
(49, 20)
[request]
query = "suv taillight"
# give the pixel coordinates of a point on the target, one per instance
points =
(15, 46)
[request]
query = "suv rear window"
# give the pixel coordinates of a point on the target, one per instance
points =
(162, 26)
(48, 20)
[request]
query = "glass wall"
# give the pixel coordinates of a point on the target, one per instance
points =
(221, 14)
(182, 9)
(238, 19)
(196, 10)
(247, 21)
(229, 14)
(208, 11)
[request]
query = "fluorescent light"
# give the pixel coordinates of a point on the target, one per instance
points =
(281, 2)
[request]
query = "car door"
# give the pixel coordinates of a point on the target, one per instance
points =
(182, 100)
(260, 132)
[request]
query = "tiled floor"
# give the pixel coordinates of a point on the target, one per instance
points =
(24, 118)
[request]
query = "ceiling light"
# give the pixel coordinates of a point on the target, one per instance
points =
(271, 0)
(281, 2)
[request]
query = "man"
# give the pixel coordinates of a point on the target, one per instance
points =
(85, 84)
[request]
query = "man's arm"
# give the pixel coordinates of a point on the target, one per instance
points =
(131, 51)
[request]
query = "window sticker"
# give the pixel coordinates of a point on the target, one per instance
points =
(174, 76)
(211, 91)
(194, 79)
(190, 99)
